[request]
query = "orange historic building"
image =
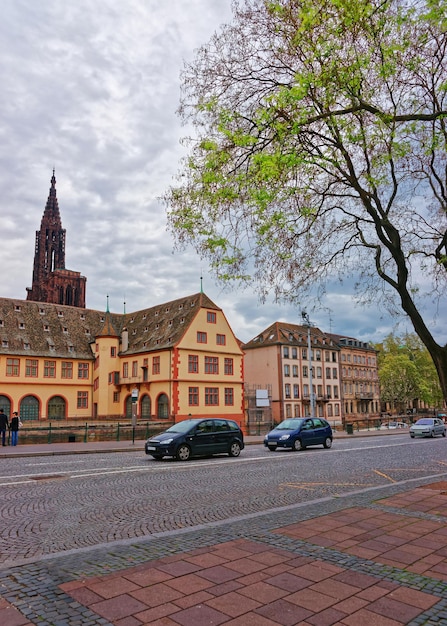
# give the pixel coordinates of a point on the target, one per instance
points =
(179, 358)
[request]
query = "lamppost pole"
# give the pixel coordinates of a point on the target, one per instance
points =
(306, 320)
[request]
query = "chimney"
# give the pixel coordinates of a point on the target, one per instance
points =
(124, 339)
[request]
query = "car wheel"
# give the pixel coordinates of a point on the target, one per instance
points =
(271, 448)
(327, 442)
(183, 453)
(412, 436)
(235, 449)
(443, 434)
(432, 433)
(157, 457)
(297, 445)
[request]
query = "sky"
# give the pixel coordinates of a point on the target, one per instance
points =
(90, 88)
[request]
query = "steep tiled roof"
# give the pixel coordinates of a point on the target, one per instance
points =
(283, 333)
(346, 341)
(163, 326)
(44, 329)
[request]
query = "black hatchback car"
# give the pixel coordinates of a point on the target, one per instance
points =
(298, 433)
(197, 437)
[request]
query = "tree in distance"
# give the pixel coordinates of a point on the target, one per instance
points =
(319, 152)
(407, 374)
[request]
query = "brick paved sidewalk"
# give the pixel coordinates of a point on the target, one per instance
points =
(379, 565)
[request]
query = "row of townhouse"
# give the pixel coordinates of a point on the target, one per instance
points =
(301, 365)
(175, 360)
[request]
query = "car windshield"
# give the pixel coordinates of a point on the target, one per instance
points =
(182, 427)
(290, 424)
(425, 421)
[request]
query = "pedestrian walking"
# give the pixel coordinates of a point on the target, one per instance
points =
(14, 427)
(3, 426)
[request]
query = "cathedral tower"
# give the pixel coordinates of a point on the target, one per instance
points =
(51, 281)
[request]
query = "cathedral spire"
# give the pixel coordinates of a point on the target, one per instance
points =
(51, 281)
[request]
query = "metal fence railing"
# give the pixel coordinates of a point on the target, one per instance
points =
(57, 433)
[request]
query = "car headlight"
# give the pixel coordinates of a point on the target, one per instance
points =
(167, 441)
(284, 437)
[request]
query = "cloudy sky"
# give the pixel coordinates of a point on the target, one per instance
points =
(91, 88)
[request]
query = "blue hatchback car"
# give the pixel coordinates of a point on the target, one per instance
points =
(299, 432)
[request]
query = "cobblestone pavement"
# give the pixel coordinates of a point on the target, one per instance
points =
(377, 557)
(52, 506)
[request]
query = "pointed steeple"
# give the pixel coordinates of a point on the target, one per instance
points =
(51, 213)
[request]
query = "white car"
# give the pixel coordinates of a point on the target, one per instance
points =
(427, 427)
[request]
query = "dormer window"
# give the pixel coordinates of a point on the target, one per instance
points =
(2, 324)
(4, 343)
(46, 328)
(65, 330)
(82, 316)
(156, 313)
(42, 311)
(17, 307)
(26, 346)
(21, 326)
(60, 314)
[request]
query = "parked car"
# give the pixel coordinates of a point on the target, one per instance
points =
(197, 437)
(397, 425)
(427, 427)
(299, 432)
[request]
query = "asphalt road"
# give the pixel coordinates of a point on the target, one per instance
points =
(50, 505)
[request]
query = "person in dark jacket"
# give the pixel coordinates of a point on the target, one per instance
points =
(14, 427)
(3, 426)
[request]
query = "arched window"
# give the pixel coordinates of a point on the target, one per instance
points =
(56, 408)
(5, 404)
(162, 406)
(29, 408)
(129, 407)
(145, 410)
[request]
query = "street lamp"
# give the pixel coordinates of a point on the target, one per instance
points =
(307, 323)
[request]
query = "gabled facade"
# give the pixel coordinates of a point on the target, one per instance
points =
(180, 358)
(51, 281)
